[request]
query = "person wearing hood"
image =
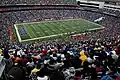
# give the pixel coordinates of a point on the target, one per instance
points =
(83, 57)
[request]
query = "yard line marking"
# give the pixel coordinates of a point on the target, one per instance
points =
(46, 31)
(32, 31)
(34, 28)
(38, 27)
(27, 32)
(53, 30)
(38, 32)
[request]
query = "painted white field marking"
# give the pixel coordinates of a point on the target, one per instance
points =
(53, 21)
(28, 32)
(18, 35)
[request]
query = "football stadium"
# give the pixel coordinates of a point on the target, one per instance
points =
(60, 40)
(47, 29)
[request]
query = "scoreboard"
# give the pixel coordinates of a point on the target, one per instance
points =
(95, 4)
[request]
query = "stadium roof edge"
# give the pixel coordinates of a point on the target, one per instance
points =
(105, 0)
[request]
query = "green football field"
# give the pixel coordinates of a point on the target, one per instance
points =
(45, 29)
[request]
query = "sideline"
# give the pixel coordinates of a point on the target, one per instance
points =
(18, 35)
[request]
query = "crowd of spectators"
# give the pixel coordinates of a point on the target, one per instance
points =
(9, 18)
(99, 59)
(12, 2)
(99, 53)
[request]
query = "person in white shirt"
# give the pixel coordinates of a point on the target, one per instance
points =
(30, 64)
(41, 75)
(43, 78)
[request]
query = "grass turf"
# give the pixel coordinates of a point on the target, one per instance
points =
(44, 29)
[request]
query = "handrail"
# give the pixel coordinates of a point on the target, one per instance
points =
(2, 65)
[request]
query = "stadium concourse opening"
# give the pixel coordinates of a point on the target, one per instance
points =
(45, 29)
